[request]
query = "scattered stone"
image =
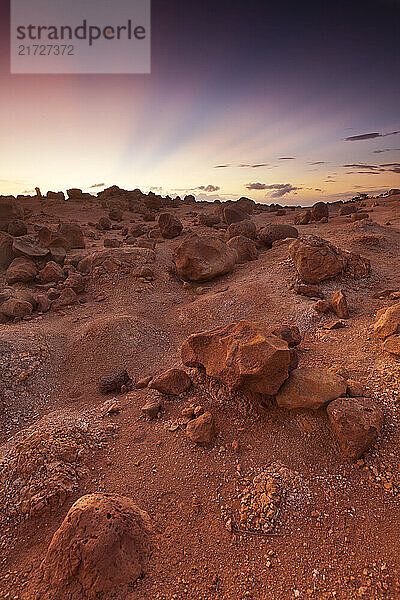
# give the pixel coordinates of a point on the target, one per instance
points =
(43, 302)
(272, 233)
(310, 387)
(170, 226)
(76, 282)
(356, 424)
(339, 305)
(115, 214)
(51, 272)
(322, 306)
(208, 220)
(112, 383)
(289, 333)
(173, 381)
(241, 355)
(143, 383)
(110, 407)
(202, 429)
(152, 407)
(387, 322)
(104, 224)
(9, 211)
(112, 243)
(66, 298)
(392, 345)
(203, 259)
(100, 549)
(21, 270)
(311, 291)
(334, 325)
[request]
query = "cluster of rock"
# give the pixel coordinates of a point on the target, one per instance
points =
(252, 357)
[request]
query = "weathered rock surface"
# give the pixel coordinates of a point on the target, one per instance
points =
(319, 211)
(234, 214)
(243, 228)
(17, 228)
(25, 247)
(173, 381)
(246, 249)
(316, 260)
(73, 234)
(21, 270)
(202, 429)
(9, 211)
(387, 322)
(6, 251)
(170, 226)
(98, 552)
(310, 387)
(242, 355)
(272, 233)
(356, 424)
(339, 305)
(203, 259)
(51, 272)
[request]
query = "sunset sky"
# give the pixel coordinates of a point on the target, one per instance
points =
(244, 98)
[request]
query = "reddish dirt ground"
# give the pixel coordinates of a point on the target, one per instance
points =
(337, 536)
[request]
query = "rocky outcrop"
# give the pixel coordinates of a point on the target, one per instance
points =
(173, 381)
(242, 355)
(170, 226)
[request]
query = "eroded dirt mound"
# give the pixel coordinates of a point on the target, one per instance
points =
(98, 551)
(44, 466)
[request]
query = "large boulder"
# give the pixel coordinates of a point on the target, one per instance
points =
(356, 423)
(272, 233)
(51, 272)
(246, 204)
(242, 355)
(15, 308)
(234, 214)
(17, 228)
(73, 234)
(6, 251)
(9, 211)
(303, 218)
(387, 322)
(310, 387)
(245, 228)
(316, 260)
(246, 249)
(319, 211)
(98, 552)
(170, 226)
(202, 259)
(21, 270)
(173, 381)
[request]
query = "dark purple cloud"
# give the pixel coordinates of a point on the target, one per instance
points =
(385, 150)
(257, 186)
(209, 188)
(288, 158)
(368, 136)
(281, 189)
(97, 185)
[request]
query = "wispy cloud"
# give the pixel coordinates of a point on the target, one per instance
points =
(209, 188)
(385, 150)
(281, 189)
(318, 162)
(257, 186)
(287, 158)
(97, 185)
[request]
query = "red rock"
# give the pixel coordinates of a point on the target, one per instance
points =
(310, 387)
(243, 228)
(311, 291)
(242, 355)
(43, 302)
(66, 298)
(25, 247)
(113, 383)
(173, 381)
(9, 211)
(73, 234)
(209, 220)
(319, 211)
(55, 195)
(356, 424)
(16, 308)
(6, 251)
(246, 249)
(104, 224)
(202, 429)
(387, 322)
(322, 306)
(272, 233)
(203, 259)
(347, 209)
(75, 194)
(51, 272)
(392, 345)
(76, 282)
(339, 305)
(246, 204)
(233, 214)
(21, 270)
(334, 325)
(289, 333)
(316, 259)
(115, 214)
(303, 218)
(17, 228)
(99, 551)
(170, 226)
